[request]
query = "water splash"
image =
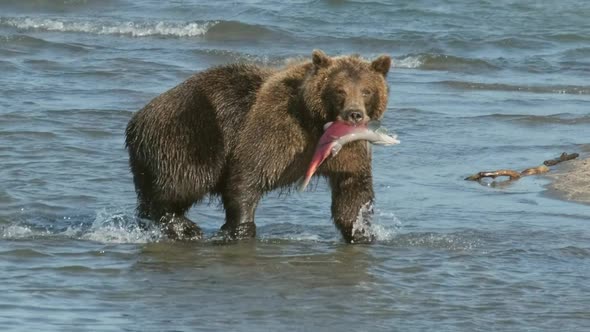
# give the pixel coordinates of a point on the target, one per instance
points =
(370, 223)
(385, 233)
(106, 227)
(17, 231)
(120, 228)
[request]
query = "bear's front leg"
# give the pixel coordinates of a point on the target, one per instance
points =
(352, 206)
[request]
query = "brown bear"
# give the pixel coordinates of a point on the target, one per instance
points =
(239, 131)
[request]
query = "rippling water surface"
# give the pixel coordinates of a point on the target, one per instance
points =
(476, 85)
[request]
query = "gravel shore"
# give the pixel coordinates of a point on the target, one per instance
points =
(572, 181)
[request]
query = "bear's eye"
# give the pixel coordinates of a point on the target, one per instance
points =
(367, 93)
(341, 92)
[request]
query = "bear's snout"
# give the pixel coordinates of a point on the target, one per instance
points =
(355, 115)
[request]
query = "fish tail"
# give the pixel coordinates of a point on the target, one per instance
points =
(302, 183)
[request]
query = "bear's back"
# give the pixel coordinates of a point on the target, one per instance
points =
(182, 138)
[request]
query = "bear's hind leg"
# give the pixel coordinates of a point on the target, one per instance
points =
(170, 216)
(172, 220)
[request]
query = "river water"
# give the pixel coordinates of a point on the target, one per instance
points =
(476, 85)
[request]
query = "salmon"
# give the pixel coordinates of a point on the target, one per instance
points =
(337, 134)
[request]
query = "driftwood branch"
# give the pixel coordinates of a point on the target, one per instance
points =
(515, 175)
(564, 157)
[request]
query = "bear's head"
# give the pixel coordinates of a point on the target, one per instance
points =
(346, 88)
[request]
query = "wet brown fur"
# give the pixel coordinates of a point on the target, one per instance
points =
(240, 131)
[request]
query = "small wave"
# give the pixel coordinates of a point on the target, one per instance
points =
(576, 60)
(92, 113)
(234, 30)
(57, 6)
(134, 29)
(277, 232)
(22, 39)
(555, 89)
(575, 251)
(43, 135)
(408, 62)
(451, 241)
(561, 119)
(428, 61)
(227, 56)
(352, 2)
(23, 253)
(577, 53)
(519, 42)
(569, 37)
(22, 44)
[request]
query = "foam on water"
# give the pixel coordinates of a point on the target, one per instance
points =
(107, 227)
(303, 236)
(459, 241)
(135, 29)
(17, 231)
(408, 62)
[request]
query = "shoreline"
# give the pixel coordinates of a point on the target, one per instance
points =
(571, 182)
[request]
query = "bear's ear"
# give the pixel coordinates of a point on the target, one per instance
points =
(320, 59)
(381, 64)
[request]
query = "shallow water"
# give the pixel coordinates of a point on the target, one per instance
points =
(475, 86)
